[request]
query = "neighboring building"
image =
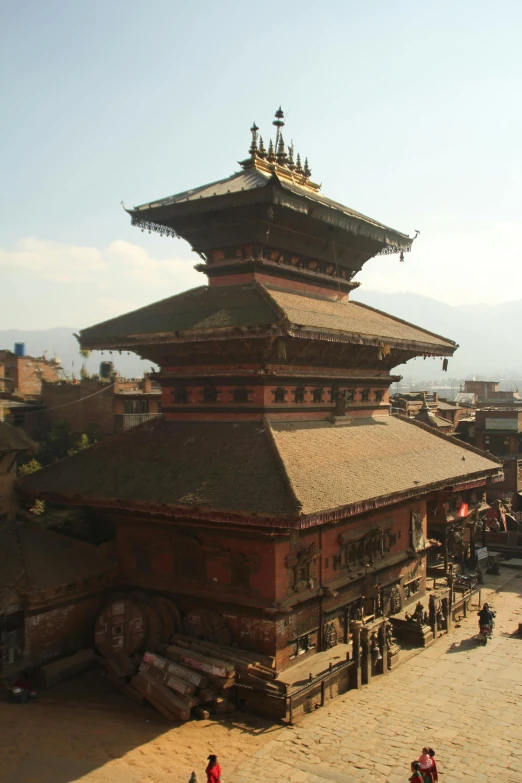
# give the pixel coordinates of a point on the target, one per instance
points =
(23, 375)
(13, 444)
(419, 404)
(106, 406)
(489, 393)
(276, 492)
(498, 430)
(426, 416)
(51, 590)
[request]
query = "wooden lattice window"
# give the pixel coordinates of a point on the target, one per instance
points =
(299, 394)
(379, 395)
(210, 394)
(334, 393)
(317, 395)
(180, 395)
(365, 395)
(240, 394)
(279, 394)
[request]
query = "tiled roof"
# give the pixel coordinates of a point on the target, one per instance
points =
(351, 317)
(251, 180)
(277, 470)
(14, 439)
(202, 308)
(331, 466)
(33, 558)
(446, 406)
(218, 465)
(206, 309)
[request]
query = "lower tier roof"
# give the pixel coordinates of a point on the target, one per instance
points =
(271, 470)
(201, 312)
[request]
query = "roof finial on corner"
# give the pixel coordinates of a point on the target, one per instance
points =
(261, 151)
(307, 170)
(298, 167)
(253, 145)
(271, 158)
(291, 164)
(281, 152)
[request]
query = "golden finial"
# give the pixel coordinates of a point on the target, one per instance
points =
(278, 122)
(253, 146)
(261, 151)
(290, 163)
(307, 171)
(281, 152)
(271, 158)
(298, 167)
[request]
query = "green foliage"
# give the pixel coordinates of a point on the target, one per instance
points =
(29, 467)
(38, 508)
(60, 442)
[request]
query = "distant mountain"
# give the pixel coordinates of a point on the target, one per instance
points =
(61, 342)
(487, 335)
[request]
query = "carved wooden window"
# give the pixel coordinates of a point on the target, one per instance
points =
(210, 394)
(240, 394)
(334, 393)
(180, 395)
(317, 395)
(365, 395)
(279, 394)
(299, 394)
(379, 395)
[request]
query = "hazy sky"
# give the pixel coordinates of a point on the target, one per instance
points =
(408, 110)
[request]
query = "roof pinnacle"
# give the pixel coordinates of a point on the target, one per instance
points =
(281, 152)
(307, 170)
(271, 158)
(298, 167)
(291, 164)
(253, 146)
(261, 151)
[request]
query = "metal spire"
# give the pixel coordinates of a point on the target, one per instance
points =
(298, 167)
(271, 158)
(278, 122)
(307, 171)
(261, 151)
(253, 146)
(281, 152)
(291, 164)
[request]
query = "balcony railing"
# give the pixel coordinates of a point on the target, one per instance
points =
(130, 420)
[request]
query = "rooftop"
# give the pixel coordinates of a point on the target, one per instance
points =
(34, 559)
(200, 312)
(274, 471)
(14, 439)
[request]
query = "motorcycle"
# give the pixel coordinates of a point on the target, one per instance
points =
(485, 633)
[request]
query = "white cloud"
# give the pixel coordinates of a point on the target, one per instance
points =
(146, 270)
(54, 261)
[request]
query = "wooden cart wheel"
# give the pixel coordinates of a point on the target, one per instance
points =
(120, 628)
(154, 627)
(161, 605)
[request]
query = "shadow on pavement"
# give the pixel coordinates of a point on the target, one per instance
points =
(464, 645)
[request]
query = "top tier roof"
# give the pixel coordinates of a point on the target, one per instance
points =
(271, 181)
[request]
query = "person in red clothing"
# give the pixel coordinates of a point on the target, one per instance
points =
(213, 770)
(416, 777)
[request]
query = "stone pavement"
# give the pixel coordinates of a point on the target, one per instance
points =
(457, 696)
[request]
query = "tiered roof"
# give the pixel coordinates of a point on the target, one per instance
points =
(201, 312)
(287, 473)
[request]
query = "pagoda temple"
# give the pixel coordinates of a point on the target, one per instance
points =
(275, 493)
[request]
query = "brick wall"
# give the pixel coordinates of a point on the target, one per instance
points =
(57, 629)
(26, 373)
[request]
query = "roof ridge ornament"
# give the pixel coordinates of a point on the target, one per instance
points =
(278, 159)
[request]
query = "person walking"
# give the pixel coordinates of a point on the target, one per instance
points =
(416, 776)
(213, 770)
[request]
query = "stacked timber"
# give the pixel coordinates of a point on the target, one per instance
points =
(179, 675)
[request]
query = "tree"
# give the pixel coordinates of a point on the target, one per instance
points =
(29, 467)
